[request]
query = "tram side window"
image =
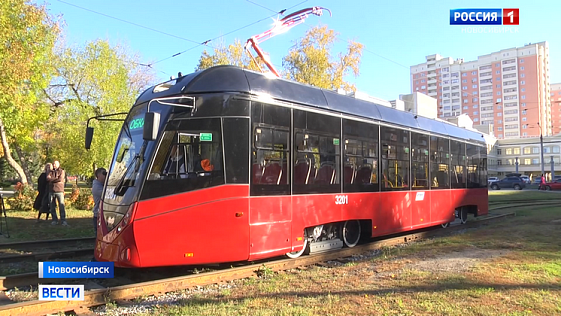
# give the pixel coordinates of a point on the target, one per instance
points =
(236, 149)
(395, 159)
(360, 167)
(189, 157)
(472, 161)
(483, 167)
(439, 163)
(458, 163)
(270, 157)
(420, 161)
(317, 153)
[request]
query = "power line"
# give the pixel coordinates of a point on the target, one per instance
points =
(264, 7)
(339, 39)
(128, 22)
(168, 34)
(228, 33)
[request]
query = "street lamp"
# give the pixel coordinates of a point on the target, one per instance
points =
(541, 148)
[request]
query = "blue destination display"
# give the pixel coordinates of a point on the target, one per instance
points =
(136, 123)
(76, 270)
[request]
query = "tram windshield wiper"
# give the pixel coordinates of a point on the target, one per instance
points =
(137, 161)
(121, 188)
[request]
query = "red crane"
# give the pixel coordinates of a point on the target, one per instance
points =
(280, 27)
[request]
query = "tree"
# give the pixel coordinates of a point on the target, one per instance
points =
(310, 61)
(26, 42)
(95, 80)
(234, 54)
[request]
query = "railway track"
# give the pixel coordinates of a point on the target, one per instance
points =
(45, 250)
(96, 297)
(100, 296)
(43, 256)
(42, 243)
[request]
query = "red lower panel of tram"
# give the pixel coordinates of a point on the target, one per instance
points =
(224, 224)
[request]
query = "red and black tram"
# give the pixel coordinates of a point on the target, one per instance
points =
(227, 165)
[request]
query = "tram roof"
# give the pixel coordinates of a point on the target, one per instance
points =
(235, 79)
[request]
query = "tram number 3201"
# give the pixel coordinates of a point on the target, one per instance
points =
(341, 199)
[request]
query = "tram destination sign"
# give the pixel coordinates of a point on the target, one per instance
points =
(205, 137)
(136, 124)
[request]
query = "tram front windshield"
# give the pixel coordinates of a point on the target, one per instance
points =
(129, 158)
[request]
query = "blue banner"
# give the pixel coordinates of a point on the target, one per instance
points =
(76, 270)
(476, 17)
(61, 292)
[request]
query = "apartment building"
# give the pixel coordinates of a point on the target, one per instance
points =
(555, 97)
(509, 89)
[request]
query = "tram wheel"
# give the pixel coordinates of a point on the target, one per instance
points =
(445, 225)
(351, 233)
(463, 215)
(296, 254)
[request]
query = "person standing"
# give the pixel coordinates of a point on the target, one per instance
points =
(97, 190)
(41, 203)
(56, 178)
(542, 183)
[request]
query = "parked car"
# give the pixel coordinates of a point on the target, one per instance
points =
(526, 179)
(509, 183)
(556, 178)
(513, 175)
(491, 180)
(553, 185)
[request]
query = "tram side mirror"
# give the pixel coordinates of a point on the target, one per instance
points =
(151, 124)
(89, 136)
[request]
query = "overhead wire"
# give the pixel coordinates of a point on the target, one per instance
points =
(344, 40)
(128, 22)
(231, 32)
(281, 12)
(212, 39)
(175, 36)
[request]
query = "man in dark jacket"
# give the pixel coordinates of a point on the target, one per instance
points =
(56, 180)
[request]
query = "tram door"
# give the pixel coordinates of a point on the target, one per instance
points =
(270, 205)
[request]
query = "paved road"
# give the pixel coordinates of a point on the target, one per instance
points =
(532, 190)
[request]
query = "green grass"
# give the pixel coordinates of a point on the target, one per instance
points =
(518, 272)
(23, 226)
(504, 195)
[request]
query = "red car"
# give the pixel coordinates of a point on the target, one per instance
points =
(554, 185)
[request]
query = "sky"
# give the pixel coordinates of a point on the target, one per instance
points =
(396, 34)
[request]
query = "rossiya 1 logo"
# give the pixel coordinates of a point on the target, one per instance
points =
(485, 16)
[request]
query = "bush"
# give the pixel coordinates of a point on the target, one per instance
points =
(84, 200)
(24, 196)
(75, 194)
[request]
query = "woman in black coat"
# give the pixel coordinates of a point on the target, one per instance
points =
(42, 200)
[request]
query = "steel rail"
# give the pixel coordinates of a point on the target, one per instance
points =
(46, 242)
(42, 256)
(100, 296)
